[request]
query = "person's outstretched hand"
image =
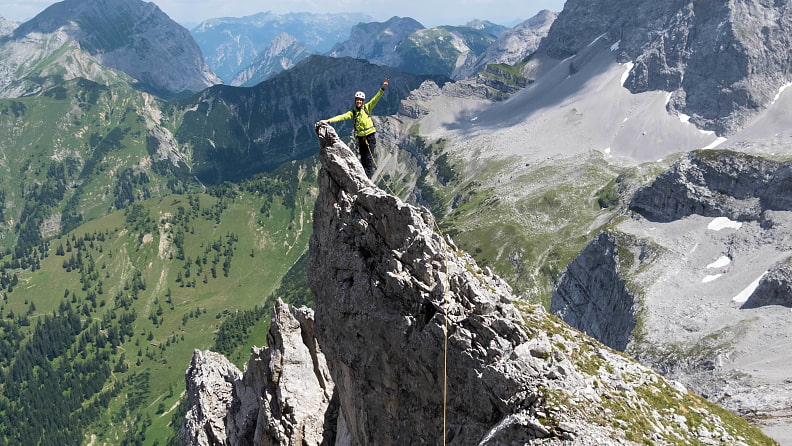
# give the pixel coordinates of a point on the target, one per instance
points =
(385, 84)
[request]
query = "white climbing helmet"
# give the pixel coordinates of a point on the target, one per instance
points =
(360, 95)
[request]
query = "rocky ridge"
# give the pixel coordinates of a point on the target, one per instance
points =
(514, 45)
(393, 297)
(722, 61)
(230, 44)
(714, 184)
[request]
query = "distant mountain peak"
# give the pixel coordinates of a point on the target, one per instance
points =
(283, 52)
(6, 26)
(133, 36)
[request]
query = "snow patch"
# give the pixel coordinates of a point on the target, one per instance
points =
(780, 90)
(720, 263)
(718, 141)
(684, 118)
(722, 223)
(608, 150)
(615, 46)
(595, 40)
(746, 293)
(711, 278)
(629, 66)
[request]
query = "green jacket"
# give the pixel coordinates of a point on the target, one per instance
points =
(364, 126)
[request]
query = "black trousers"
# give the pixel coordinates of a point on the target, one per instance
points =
(366, 146)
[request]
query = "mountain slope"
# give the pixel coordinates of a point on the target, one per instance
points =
(394, 297)
(134, 37)
(230, 44)
(95, 339)
(514, 45)
(527, 184)
(83, 149)
(702, 278)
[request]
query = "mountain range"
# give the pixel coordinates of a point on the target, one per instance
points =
(622, 164)
(230, 44)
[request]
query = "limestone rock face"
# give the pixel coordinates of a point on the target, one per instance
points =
(6, 26)
(514, 45)
(210, 389)
(377, 42)
(423, 343)
(713, 184)
(722, 60)
(284, 396)
(282, 53)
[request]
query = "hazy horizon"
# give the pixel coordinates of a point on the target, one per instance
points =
(429, 12)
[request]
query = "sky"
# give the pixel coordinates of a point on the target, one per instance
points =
(429, 12)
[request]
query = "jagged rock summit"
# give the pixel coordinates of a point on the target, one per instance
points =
(131, 36)
(412, 343)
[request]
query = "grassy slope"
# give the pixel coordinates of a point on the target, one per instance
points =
(265, 246)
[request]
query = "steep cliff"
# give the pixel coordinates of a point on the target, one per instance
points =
(722, 60)
(514, 45)
(593, 296)
(709, 283)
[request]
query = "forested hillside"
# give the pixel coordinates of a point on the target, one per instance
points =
(96, 333)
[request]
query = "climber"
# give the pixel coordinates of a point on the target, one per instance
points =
(363, 127)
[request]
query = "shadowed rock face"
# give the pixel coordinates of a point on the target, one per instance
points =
(132, 36)
(593, 297)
